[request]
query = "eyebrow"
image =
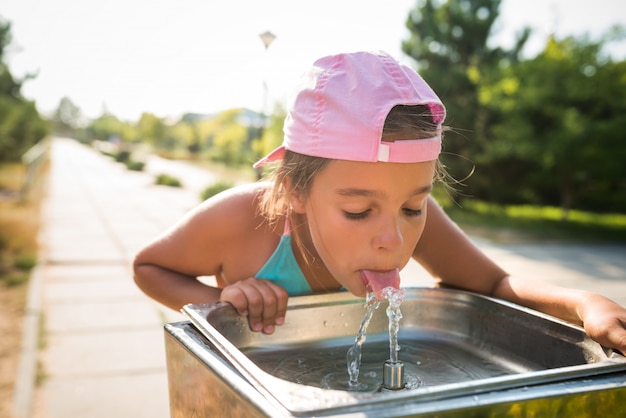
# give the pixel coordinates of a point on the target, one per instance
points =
(356, 192)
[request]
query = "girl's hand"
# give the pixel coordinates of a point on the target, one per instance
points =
(605, 322)
(264, 302)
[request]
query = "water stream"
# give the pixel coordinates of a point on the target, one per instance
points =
(353, 356)
(394, 297)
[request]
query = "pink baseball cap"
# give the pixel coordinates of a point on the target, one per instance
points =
(339, 109)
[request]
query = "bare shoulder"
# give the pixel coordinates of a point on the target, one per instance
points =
(233, 209)
(214, 237)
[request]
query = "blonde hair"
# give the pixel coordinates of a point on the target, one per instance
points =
(295, 172)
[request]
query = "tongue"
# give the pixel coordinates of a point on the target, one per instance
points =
(376, 281)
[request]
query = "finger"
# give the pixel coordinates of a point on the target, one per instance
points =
(255, 307)
(236, 297)
(261, 300)
(269, 293)
(617, 338)
(282, 298)
(611, 334)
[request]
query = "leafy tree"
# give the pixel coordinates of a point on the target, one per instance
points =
(561, 123)
(182, 134)
(128, 132)
(67, 118)
(153, 130)
(229, 143)
(106, 127)
(449, 42)
(8, 85)
(21, 126)
(272, 135)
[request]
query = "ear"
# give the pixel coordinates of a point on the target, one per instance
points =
(296, 199)
(296, 202)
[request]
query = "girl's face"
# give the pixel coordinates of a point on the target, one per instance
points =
(366, 216)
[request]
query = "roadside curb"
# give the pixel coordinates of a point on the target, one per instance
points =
(24, 387)
(26, 374)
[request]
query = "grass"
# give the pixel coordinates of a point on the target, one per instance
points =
(215, 188)
(19, 226)
(167, 180)
(528, 222)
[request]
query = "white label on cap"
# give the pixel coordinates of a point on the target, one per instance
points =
(383, 153)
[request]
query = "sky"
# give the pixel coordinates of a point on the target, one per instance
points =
(170, 57)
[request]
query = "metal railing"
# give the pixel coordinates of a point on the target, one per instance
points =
(33, 161)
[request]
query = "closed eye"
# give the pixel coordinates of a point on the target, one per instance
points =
(356, 216)
(412, 212)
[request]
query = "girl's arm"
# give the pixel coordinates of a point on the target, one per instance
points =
(450, 256)
(167, 268)
(603, 319)
(222, 237)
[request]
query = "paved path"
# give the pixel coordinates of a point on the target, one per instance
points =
(104, 354)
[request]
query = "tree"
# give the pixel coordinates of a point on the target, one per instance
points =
(229, 142)
(67, 118)
(153, 130)
(185, 133)
(272, 135)
(105, 128)
(8, 85)
(561, 119)
(21, 126)
(449, 42)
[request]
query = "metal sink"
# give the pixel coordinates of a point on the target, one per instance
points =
(455, 346)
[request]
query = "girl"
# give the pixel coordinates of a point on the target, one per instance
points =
(347, 207)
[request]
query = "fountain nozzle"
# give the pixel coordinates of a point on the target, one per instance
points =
(393, 375)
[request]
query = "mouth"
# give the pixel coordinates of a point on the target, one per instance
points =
(375, 281)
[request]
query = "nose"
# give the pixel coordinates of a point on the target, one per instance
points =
(388, 235)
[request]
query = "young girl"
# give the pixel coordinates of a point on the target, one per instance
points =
(347, 207)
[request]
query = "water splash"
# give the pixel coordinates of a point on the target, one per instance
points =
(353, 356)
(394, 297)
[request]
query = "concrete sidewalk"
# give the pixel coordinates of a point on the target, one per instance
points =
(103, 352)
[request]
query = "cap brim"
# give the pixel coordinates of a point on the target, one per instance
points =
(273, 156)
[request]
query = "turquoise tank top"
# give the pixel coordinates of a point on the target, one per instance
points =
(283, 269)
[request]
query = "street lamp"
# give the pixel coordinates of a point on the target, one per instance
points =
(267, 38)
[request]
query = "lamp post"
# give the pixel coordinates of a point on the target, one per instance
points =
(267, 38)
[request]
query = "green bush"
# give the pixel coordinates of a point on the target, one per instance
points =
(167, 180)
(215, 188)
(122, 156)
(15, 278)
(25, 262)
(135, 165)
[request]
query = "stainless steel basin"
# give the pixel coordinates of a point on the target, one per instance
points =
(456, 347)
